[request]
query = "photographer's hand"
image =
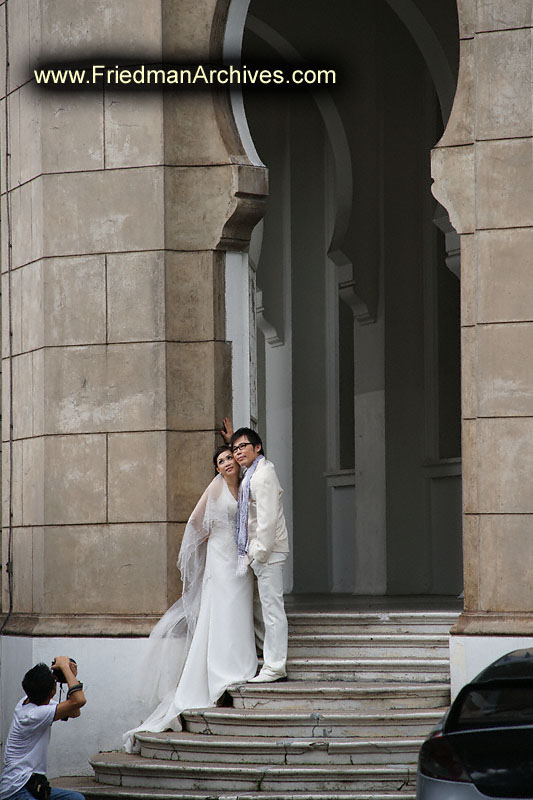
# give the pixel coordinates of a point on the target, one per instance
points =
(68, 667)
(75, 699)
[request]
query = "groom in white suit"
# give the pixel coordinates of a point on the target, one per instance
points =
(265, 546)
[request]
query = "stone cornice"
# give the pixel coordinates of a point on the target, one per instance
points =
(479, 623)
(80, 625)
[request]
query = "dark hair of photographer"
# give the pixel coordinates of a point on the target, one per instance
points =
(39, 683)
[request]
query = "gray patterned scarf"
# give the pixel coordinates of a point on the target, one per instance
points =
(241, 533)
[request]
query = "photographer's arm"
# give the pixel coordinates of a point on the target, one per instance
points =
(72, 705)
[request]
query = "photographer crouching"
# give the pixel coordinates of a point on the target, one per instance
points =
(24, 773)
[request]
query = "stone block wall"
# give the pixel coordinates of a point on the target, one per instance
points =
(483, 171)
(121, 206)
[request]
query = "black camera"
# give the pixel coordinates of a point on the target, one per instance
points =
(58, 672)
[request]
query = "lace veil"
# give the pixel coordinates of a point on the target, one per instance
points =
(169, 641)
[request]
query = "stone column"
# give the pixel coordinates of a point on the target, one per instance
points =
(121, 208)
(483, 170)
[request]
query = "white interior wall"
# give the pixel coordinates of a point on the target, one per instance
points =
(370, 493)
(279, 427)
(238, 333)
(107, 667)
(470, 654)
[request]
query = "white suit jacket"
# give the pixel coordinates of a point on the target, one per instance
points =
(267, 530)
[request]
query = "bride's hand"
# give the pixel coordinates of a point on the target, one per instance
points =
(227, 430)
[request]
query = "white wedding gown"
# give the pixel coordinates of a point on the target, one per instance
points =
(221, 650)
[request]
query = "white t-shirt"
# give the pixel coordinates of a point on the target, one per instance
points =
(27, 745)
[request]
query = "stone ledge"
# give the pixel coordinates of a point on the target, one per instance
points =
(71, 625)
(483, 623)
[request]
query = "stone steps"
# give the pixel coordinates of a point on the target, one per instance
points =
(122, 769)
(371, 623)
(98, 791)
(364, 690)
(339, 645)
(269, 750)
(344, 696)
(250, 722)
(401, 670)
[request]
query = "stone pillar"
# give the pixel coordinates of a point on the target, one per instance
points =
(121, 208)
(483, 171)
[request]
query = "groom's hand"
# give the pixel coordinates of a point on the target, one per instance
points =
(227, 430)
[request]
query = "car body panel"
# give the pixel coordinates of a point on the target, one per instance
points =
(498, 760)
(434, 789)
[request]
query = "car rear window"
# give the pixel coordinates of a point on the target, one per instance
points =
(498, 704)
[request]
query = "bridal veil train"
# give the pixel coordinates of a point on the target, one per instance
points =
(205, 641)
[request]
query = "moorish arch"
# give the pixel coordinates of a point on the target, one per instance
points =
(362, 551)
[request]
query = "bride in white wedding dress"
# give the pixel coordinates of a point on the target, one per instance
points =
(205, 642)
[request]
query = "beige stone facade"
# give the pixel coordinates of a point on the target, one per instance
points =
(483, 170)
(118, 212)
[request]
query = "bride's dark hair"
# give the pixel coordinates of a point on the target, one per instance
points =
(218, 451)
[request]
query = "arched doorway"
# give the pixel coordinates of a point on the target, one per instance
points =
(358, 312)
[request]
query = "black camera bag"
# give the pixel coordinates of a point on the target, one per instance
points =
(38, 786)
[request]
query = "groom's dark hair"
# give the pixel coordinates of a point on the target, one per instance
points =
(251, 435)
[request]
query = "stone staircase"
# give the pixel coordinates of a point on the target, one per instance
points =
(364, 690)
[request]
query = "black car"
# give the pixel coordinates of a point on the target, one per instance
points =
(483, 747)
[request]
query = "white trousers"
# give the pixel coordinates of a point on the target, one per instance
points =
(270, 620)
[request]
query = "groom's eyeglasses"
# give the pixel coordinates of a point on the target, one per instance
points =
(239, 447)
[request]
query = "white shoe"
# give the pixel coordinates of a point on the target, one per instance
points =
(267, 677)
